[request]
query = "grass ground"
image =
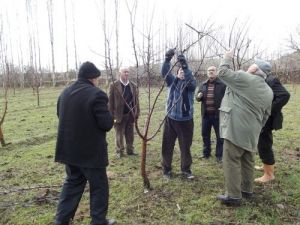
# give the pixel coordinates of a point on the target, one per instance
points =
(31, 181)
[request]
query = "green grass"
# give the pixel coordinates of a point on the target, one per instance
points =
(27, 164)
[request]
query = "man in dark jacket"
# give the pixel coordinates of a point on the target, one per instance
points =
(265, 141)
(211, 93)
(81, 145)
(180, 110)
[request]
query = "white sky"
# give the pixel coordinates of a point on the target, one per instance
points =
(271, 23)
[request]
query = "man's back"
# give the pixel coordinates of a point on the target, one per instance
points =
(84, 120)
(245, 107)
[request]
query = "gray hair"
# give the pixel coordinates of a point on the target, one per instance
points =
(123, 68)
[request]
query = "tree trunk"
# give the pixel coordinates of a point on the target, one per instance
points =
(143, 165)
(2, 137)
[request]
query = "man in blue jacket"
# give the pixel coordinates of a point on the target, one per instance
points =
(81, 145)
(179, 119)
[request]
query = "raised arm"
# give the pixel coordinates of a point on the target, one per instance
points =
(165, 70)
(188, 75)
(233, 79)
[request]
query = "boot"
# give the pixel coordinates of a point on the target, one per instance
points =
(268, 174)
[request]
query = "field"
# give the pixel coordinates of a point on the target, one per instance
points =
(31, 181)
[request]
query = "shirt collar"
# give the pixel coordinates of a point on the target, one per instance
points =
(125, 84)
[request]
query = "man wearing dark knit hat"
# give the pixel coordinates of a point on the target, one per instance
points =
(81, 145)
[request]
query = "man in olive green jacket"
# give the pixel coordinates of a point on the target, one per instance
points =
(244, 110)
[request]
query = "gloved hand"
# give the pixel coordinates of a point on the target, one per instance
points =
(169, 54)
(182, 61)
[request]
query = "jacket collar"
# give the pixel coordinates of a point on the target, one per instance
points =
(217, 81)
(83, 80)
(125, 84)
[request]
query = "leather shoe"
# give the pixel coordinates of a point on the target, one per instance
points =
(228, 201)
(132, 154)
(247, 195)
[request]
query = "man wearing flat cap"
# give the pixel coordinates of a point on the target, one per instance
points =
(244, 110)
(274, 122)
(81, 145)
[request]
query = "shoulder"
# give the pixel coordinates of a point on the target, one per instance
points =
(115, 83)
(132, 83)
(218, 81)
(204, 82)
(271, 80)
(98, 93)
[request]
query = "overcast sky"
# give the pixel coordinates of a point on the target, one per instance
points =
(271, 23)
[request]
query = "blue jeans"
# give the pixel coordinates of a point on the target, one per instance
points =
(209, 121)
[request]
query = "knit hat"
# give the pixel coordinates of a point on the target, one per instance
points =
(263, 65)
(88, 70)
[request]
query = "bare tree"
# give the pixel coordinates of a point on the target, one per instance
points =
(6, 76)
(74, 38)
(294, 40)
(4, 109)
(107, 49)
(39, 72)
(51, 33)
(67, 51)
(34, 49)
(117, 32)
(240, 41)
(4, 80)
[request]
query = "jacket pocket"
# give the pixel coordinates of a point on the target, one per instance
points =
(225, 112)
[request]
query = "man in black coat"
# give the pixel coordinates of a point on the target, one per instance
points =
(81, 145)
(211, 93)
(265, 141)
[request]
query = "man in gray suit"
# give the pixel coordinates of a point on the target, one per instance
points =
(244, 110)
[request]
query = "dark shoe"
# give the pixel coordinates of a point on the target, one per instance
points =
(188, 175)
(247, 195)
(167, 174)
(111, 222)
(204, 156)
(219, 159)
(228, 201)
(132, 154)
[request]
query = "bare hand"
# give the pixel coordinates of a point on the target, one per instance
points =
(252, 69)
(229, 54)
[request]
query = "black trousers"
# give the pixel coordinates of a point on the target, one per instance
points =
(265, 143)
(73, 189)
(183, 130)
(209, 121)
